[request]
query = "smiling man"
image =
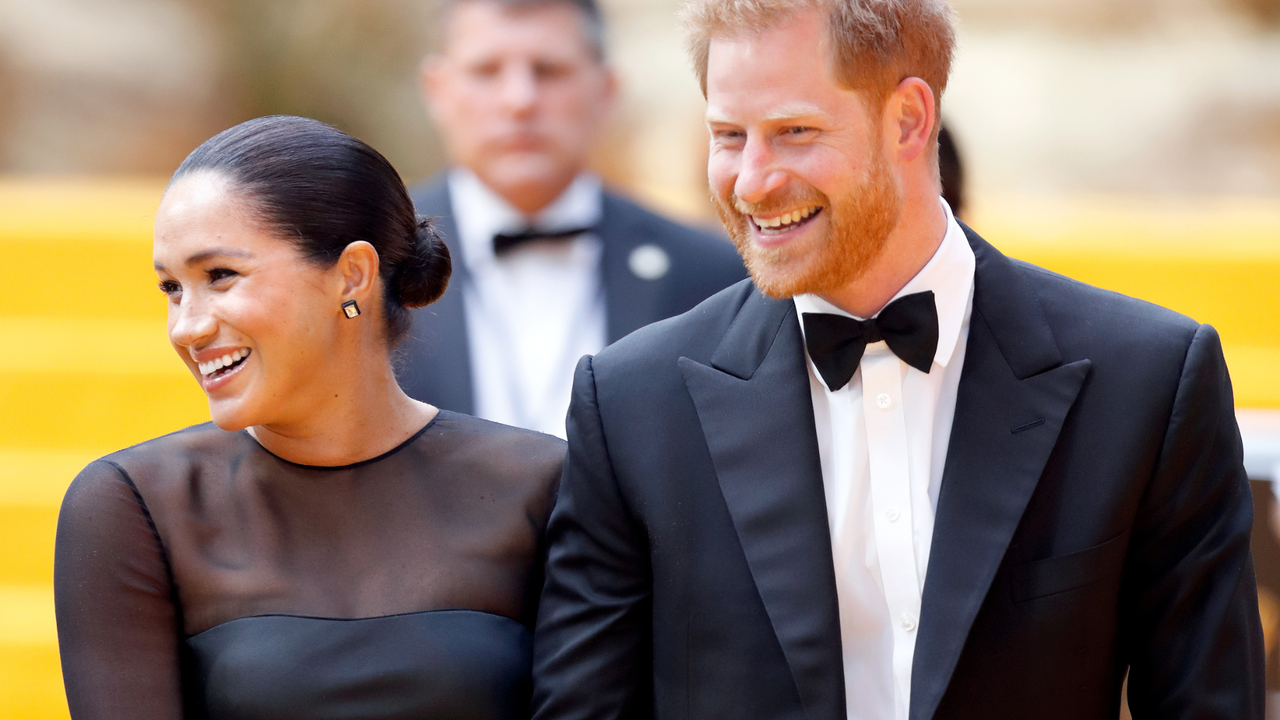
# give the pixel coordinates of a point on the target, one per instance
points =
(548, 265)
(899, 476)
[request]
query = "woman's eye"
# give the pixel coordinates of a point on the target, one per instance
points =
(170, 288)
(217, 274)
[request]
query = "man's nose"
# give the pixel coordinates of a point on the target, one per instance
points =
(759, 174)
(192, 326)
(519, 88)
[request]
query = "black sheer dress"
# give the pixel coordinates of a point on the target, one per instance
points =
(200, 576)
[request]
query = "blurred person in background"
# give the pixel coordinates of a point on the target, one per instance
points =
(327, 547)
(951, 174)
(900, 476)
(549, 266)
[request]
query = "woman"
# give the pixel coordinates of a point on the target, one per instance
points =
(327, 546)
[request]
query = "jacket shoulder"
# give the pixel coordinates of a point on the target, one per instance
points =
(1070, 304)
(694, 333)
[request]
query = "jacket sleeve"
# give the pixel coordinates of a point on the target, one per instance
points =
(593, 643)
(118, 622)
(1193, 633)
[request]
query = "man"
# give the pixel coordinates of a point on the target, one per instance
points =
(991, 501)
(547, 266)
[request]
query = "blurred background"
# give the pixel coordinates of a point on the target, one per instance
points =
(1134, 144)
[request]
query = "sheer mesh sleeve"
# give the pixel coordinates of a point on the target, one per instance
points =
(118, 623)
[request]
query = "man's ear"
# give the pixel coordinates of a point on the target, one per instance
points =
(910, 116)
(431, 79)
(358, 272)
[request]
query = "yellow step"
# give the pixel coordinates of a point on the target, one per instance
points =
(92, 384)
(80, 247)
(30, 672)
(31, 487)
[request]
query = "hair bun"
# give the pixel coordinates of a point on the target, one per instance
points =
(423, 276)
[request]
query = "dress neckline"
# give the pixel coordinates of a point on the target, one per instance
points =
(434, 612)
(350, 466)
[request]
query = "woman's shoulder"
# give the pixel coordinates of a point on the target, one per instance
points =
(524, 461)
(164, 458)
(484, 438)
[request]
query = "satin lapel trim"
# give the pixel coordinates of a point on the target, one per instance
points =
(757, 416)
(1005, 428)
(630, 302)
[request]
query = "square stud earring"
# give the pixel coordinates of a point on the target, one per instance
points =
(351, 309)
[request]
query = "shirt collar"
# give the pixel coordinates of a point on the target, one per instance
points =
(480, 213)
(949, 274)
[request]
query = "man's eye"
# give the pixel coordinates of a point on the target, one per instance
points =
(550, 71)
(799, 130)
(484, 70)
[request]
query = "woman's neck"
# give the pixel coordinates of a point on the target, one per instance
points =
(350, 421)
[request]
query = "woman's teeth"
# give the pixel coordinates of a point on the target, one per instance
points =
(223, 362)
(785, 220)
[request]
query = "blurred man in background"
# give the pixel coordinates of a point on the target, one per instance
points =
(548, 266)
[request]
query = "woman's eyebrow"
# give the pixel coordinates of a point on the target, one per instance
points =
(212, 253)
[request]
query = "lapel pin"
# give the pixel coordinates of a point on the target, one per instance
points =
(649, 262)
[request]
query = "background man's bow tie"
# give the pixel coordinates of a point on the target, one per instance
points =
(908, 325)
(505, 242)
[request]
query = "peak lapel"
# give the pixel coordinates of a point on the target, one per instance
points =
(1014, 395)
(754, 406)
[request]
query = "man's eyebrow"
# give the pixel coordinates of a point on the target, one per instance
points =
(212, 253)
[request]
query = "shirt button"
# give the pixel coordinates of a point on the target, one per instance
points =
(893, 515)
(883, 401)
(908, 623)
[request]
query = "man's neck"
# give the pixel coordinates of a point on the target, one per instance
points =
(909, 248)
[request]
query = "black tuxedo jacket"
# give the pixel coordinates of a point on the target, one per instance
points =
(1094, 516)
(434, 363)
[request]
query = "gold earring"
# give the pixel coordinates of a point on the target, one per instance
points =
(351, 309)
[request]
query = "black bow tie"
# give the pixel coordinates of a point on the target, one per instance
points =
(506, 242)
(908, 325)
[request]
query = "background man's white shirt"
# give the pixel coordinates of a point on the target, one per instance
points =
(532, 312)
(882, 442)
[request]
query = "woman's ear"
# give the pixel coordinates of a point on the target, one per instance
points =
(358, 272)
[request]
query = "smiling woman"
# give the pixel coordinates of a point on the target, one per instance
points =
(197, 573)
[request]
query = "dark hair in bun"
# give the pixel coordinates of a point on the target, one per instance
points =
(322, 189)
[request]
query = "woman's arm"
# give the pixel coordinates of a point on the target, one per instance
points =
(119, 627)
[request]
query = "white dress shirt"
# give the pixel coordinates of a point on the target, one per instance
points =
(532, 312)
(882, 441)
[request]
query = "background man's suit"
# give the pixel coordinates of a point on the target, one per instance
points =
(1093, 514)
(437, 363)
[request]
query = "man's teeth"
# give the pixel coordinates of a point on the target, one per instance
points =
(218, 363)
(790, 218)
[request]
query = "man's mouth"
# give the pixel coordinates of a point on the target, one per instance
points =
(785, 222)
(218, 367)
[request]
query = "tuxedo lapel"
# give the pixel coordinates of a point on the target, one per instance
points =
(631, 302)
(1013, 397)
(437, 365)
(756, 413)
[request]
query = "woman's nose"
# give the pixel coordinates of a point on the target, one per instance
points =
(192, 325)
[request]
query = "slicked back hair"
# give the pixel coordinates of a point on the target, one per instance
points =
(875, 44)
(593, 30)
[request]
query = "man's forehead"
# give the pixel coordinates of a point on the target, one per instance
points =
(481, 26)
(782, 111)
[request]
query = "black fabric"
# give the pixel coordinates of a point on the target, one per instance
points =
(200, 570)
(506, 242)
(435, 360)
(689, 571)
(908, 325)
